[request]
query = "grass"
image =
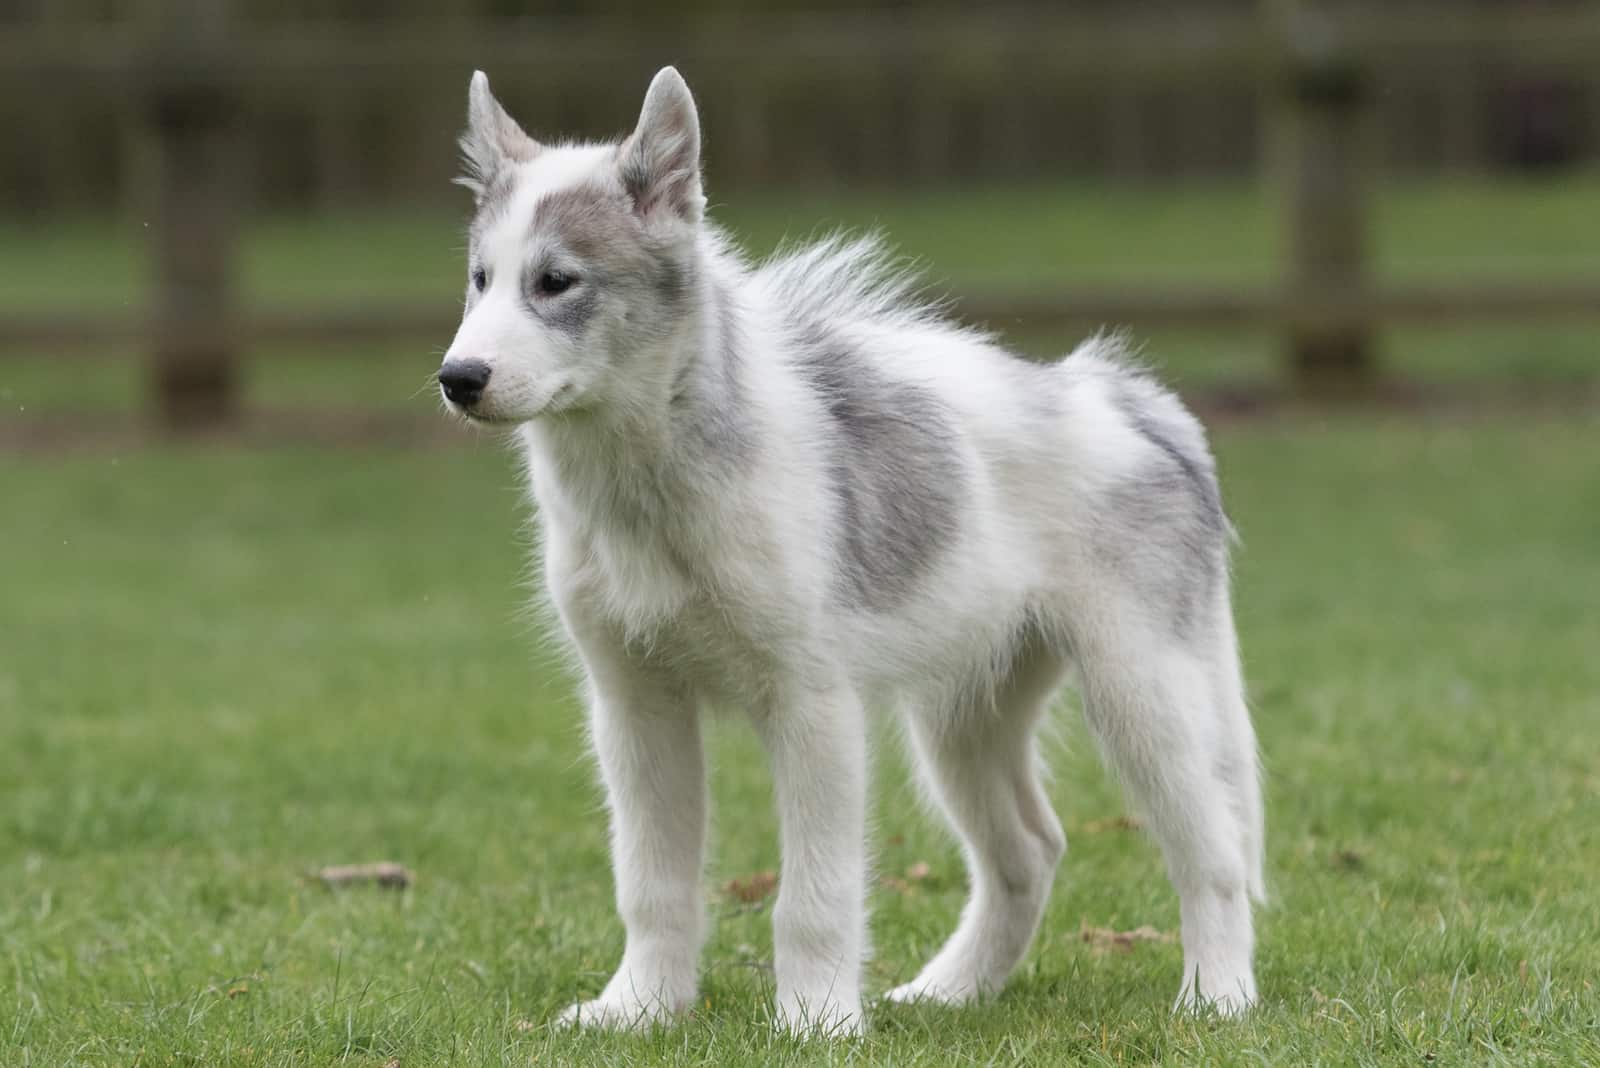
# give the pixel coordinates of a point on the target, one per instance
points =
(1030, 238)
(222, 668)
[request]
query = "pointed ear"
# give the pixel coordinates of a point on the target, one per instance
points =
(492, 140)
(660, 160)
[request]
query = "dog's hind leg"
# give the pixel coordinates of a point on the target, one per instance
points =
(1183, 746)
(1238, 763)
(982, 768)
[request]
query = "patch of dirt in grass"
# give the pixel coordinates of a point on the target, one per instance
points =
(1102, 940)
(753, 888)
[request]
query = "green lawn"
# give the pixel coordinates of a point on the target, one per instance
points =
(222, 668)
(969, 240)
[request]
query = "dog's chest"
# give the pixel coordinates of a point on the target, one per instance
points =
(670, 611)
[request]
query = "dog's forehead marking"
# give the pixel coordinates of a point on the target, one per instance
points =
(503, 226)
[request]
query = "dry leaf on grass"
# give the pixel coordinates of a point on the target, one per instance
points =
(916, 873)
(235, 991)
(522, 1027)
(752, 888)
(1106, 940)
(392, 1062)
(1348, 860)
(384, 873)
(1116, 823)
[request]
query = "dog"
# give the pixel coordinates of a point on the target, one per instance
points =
(799, 491)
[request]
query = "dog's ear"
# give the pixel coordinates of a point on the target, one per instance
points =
(492, 141)
(660, 160)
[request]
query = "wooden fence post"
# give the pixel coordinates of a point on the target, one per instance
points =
(194, 366)
(1329, 317)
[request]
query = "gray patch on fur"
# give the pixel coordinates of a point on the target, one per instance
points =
(1164, 528)
(589, 219)
(593, 227)
(898, 480)
(495, 200)
(568, 311)
(710, 397)
(673, 282)
(1196, 469)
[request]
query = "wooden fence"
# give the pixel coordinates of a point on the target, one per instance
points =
(1313, 73)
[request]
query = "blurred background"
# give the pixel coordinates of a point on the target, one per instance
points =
(261, 603)
(235, 213)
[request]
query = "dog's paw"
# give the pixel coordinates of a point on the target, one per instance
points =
(1227, 1000)
(933, 992)
(833, 1018)
(938, 985)
(612, 1014)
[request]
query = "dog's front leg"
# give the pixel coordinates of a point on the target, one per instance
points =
(817, 740)
(648, 743)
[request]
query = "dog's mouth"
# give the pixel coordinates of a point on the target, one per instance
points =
(557, 403)
(485, 419)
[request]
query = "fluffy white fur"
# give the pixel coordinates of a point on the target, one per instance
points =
(793, 491)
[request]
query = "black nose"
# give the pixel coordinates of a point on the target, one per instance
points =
(463, 380)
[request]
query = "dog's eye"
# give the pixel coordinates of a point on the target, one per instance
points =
(552, 282)
(480, 278)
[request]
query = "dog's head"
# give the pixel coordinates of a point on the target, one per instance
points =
(581, 261)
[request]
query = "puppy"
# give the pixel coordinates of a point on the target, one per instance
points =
(794, 490)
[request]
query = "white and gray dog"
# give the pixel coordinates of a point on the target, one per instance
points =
(794, 490)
